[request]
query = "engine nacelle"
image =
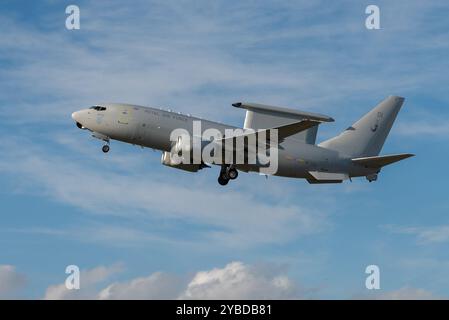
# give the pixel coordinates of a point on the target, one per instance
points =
(167, 160)
(185, 147)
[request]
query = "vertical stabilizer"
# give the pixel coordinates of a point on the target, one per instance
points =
(367, 136)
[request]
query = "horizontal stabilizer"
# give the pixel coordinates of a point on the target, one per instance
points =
(326, 177)
(380, 161)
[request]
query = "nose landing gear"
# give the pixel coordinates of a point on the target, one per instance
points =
(104, 138)
(105, 148)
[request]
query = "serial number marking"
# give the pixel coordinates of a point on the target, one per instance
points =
(225, 309)
(253, 309)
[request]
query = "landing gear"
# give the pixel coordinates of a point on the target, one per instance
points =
(232, 173)
(105, 148)
(104, 138)
(222, 181)
(227, 173)
(371, 177)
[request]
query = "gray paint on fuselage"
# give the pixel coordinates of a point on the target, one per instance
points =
(151, 127)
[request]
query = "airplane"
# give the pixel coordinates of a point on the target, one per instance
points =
(353, 153)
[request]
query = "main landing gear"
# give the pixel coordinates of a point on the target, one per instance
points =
(371, 177)
(227, 173)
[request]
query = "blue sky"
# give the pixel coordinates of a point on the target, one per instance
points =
(141, 230)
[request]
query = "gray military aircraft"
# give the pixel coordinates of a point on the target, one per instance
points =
(287, 133)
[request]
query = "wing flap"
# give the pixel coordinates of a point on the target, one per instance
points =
(314, 181)
(327, 177)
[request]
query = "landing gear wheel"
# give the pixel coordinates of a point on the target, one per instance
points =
(222, 181)
(105, 148)
(371, 177)
(233, 173)
(223, 175)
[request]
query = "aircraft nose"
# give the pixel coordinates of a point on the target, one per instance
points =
(75, 116)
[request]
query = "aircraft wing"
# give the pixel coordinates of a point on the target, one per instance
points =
(284, 131)
(380, 161)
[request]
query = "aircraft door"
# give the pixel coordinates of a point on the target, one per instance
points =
(125, 115)
(143, 125)
(125, 122)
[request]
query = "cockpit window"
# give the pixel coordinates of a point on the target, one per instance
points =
(98, 108)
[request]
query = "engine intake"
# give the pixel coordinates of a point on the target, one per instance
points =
(167, 160)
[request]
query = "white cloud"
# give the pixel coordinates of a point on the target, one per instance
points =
(436, 234)
(10, 281)
(88, 281)
(407, 293)
(425, 129)
(239, 281)
(158, 285)
(105, 234)
(240, 217)
(236, 49)
(236, 280)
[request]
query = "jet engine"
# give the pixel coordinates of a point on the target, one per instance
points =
(184, 144)
(190, 152)
(167, 160)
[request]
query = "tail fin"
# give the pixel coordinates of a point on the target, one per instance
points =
(367, 136)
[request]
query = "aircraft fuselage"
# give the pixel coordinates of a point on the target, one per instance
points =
(151, 128)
